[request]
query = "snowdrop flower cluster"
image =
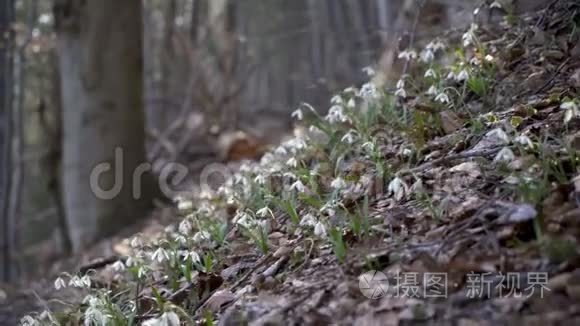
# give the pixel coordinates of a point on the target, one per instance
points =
(428, 53)
(79, 282)
(469, 37)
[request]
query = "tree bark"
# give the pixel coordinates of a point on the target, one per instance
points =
(6, 101)
(100, 62)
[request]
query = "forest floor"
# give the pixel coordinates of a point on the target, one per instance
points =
(454, 202)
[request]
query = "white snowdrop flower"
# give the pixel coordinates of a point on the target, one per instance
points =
(571, 110)
(298, 115)
(280, 150)
(266, 159)
(475, 61)
(338, 184)
(29, 321)
(320, 230)
(201, 237)
(351, 104)
(80, 282)
(46, 315)
(427, 55)
(408, 55)
(506, 155)
(476, 11)
(489, 58)
(469, 36)
(499, 134)
(243, 219)
(289, 175)
(308, 106)
(450, 75)
(86, 281)
(369, 71)
(432, 90)
(180, 238)
(264, 211)
(142, 272)
(329, 208)
(407, 152)
(59, 283)
(75, 281)
(401, 83)
(292, 162)
(275, 167)
(119, 266)
(298, 186)
(260, 179)
(398, 188)
(185, 226)
(264, 225)
(442, 98)
(350, 90)
(336, 100)
(368, 146)
(417, 186)
(495, 4)
(167, 319)
(463, 75)
(160, 255)
(350, 137)
(524, 140)
(430, 73)
(369, 92)
(184, 205)
(195, 258)
(334, 113)
(436, 45)
(130, 261)
(245, 168)
(569, 105)
(401, 93)
(308, 220)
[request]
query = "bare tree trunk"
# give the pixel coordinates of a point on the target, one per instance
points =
(100, 56)
(6, 100)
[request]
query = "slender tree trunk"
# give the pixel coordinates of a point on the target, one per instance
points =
(6, 101)
(100, 59)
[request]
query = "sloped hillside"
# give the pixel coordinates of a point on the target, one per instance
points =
(452, 199)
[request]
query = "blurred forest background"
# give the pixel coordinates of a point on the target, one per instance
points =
(211, 69)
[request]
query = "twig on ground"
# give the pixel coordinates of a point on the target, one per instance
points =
(450, 158)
